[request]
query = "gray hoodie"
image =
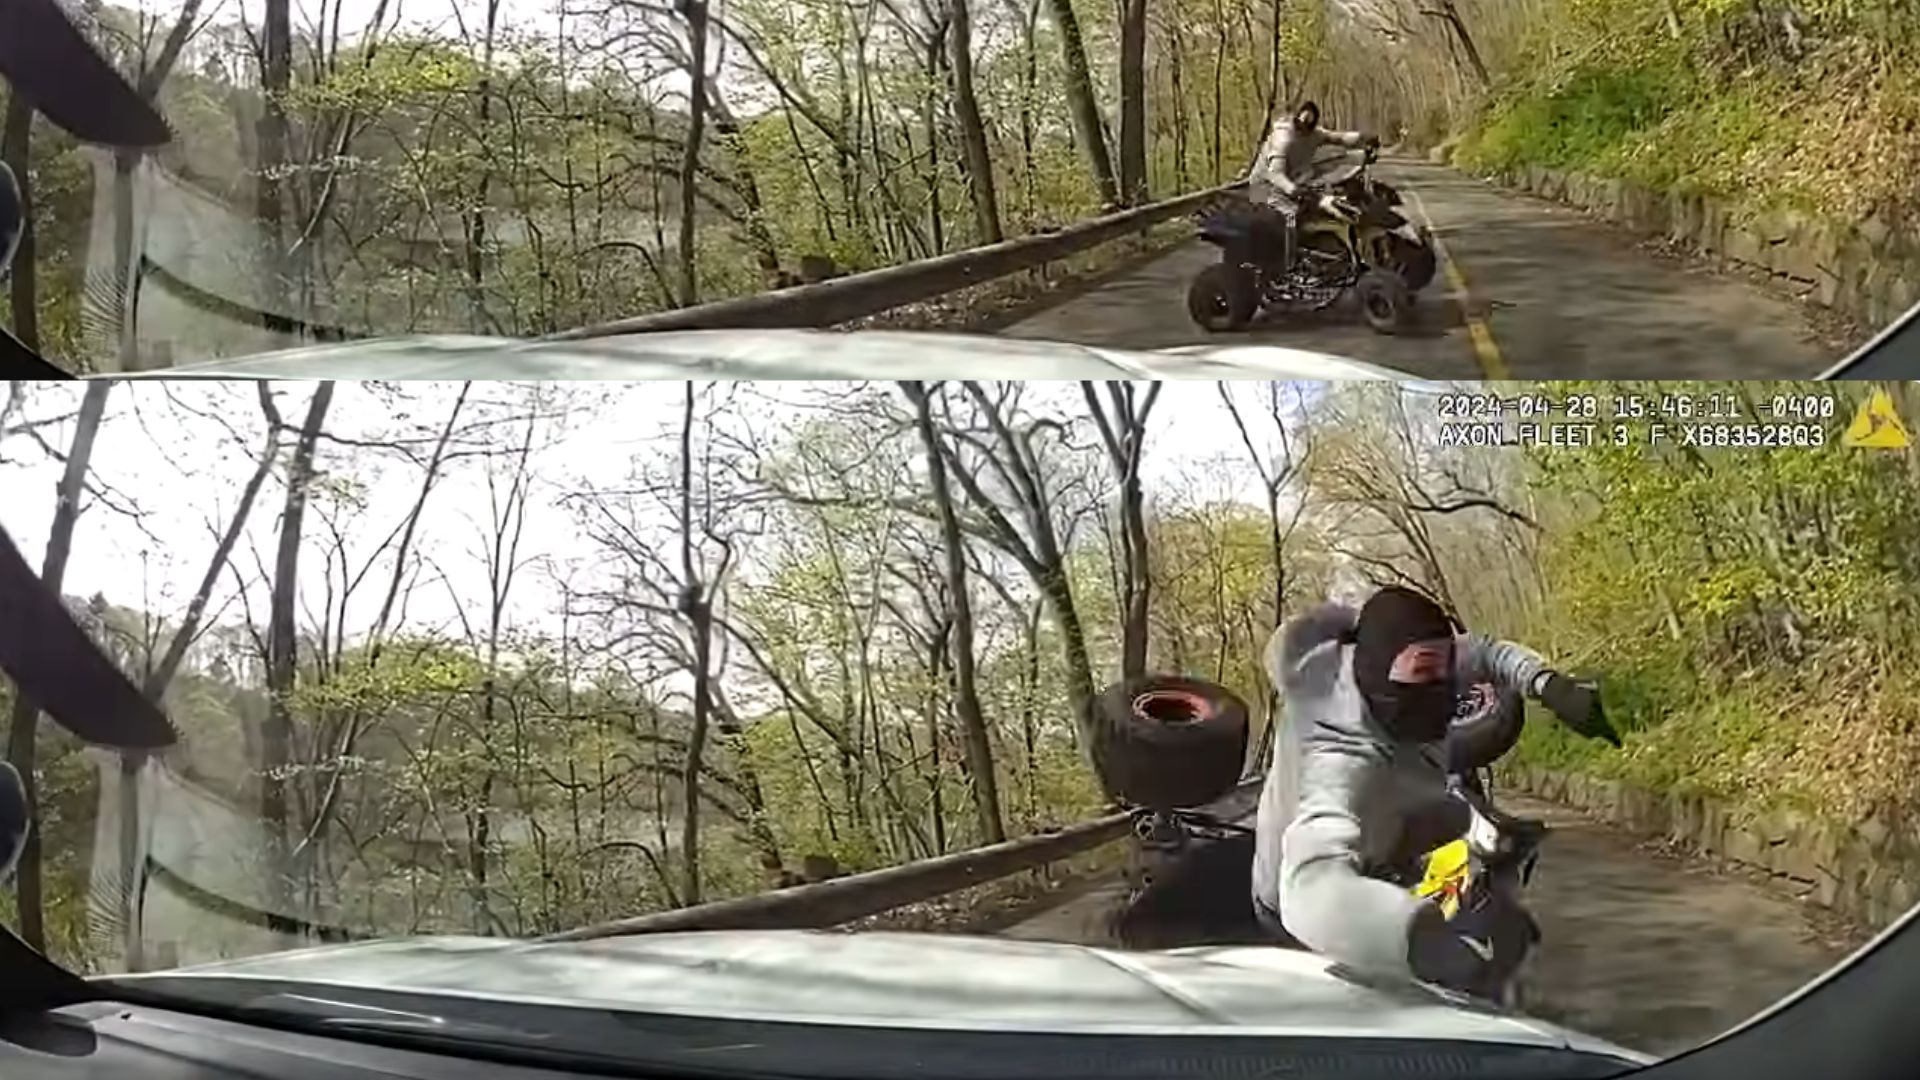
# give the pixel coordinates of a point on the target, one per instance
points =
(1288, 155)
(1344, 803)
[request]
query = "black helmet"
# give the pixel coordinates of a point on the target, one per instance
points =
(1307, 108)
(1391, 620)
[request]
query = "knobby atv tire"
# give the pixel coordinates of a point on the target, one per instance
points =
(1168, 742)
(1223, 297)
(1385, 301)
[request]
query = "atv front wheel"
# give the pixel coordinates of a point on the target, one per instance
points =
(1385, 300)
(1223, 297)
(1166, 742)
(1416, 262)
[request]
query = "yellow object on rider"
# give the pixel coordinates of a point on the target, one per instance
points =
(1448, 871)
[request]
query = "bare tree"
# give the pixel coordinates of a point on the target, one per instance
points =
(696, 604)
(1385, 493)
(1088, 130)
(25, 719)
(695, 12)
(973, 724)
(973, 131)
(1005, 455)
(277, 738)
(1124, 434)
(1278, 470)
(275, 131)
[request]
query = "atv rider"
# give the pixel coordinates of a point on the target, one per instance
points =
(1286, 164)
(1358, 790)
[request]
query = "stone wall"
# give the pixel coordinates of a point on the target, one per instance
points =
(1868, 872)
(1869, 270)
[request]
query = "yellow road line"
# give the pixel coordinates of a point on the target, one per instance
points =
(1485, 349)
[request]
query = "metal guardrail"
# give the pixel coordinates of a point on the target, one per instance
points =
(855, 296)
(829, 903)
(821, 304)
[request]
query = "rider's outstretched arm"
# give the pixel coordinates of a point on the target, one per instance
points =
(1509, 664)
(1516, 667)
(1327, 902)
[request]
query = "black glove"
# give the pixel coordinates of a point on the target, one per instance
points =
(1436, 953)
(1577, 703)
(1474, 951)
(1372, 142)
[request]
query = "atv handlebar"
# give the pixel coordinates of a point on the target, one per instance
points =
(1517, 838)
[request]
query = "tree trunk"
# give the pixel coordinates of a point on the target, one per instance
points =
(930, 119)
(696, 604)
(966, 704)
(276, 78)
(1176, 46)
(22, 747)
(1133, 101)
(695, 12)
(1029, 89)
(937, 651)
(1219, 89)
(1087, 127)
(1274, 72)
(477, 213)
(1451, 15)
(277, 739)
(973, 131)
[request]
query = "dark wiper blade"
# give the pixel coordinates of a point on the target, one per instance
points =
(57, 667)
(52, 65)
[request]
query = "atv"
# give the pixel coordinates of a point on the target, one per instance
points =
(1174, 749)
(1353, 236)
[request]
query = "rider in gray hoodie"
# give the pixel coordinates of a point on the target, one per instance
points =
(1358, 789)
(1286, 161)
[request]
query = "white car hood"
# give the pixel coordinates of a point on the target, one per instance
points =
(927, 981)
(772, 354)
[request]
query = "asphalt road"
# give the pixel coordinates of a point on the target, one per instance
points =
(1640, 947)
(1528, 289)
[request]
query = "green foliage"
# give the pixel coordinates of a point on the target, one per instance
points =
(1742, 608)
(1721, 101)
(1590, 118)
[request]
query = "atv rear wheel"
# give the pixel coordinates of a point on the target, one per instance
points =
(1385, 300)
(1223, 297)
(1167, 742)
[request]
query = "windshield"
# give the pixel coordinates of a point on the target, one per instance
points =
(520, 168)
(458, 664)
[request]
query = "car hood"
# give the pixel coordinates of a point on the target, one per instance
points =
(910, 980)
(771, 354)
